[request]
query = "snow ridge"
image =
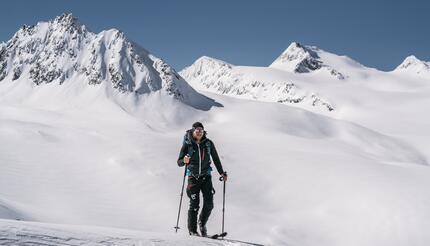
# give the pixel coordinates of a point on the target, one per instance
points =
(213, 75)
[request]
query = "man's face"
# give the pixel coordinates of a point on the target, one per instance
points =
(198, 133)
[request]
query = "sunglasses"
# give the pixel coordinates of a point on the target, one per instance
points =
(199, 129)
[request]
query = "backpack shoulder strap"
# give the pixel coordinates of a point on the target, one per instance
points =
(209, 145)
(188, 143)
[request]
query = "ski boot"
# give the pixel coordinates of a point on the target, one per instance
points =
(194, 233)
(203, 230)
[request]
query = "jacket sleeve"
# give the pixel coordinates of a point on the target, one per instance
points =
(182, 154)
(216, 159)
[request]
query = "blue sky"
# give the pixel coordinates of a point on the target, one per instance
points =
(376, 33)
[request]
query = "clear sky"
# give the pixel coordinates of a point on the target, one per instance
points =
(247, 32)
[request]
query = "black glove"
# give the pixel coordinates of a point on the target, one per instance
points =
(223, 176)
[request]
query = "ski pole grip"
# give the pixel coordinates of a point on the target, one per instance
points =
(222, 177)
(186, 164)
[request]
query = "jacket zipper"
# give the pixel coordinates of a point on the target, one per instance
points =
(200, 160)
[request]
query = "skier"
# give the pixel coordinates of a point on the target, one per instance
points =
(195, 153)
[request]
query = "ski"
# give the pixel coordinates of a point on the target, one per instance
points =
(241, 242)
(217, 236)
(220, 235)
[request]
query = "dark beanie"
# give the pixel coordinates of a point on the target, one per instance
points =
(198, 124)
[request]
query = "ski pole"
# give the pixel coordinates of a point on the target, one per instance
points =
(223, 201)
(180, 201)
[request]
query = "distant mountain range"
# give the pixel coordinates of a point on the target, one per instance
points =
(292, 77)
(63, 50)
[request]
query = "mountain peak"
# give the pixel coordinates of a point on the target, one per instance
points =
(296, 47)
(412, 57)
(61, 28)
(293, 46)
(66, 19)
(204, 64)
(298, 58)
(60, 24)
(414, 65)
(207, 59)
(67, 22)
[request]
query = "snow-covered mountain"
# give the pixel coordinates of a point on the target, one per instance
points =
(298, 58)
(304, 76)
(64, 51)
(294, 78)
(255, 83)
(413, 65)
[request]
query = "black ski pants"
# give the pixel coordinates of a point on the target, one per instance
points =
(203, 184)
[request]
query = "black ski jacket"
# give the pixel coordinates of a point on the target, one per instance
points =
(200, 160)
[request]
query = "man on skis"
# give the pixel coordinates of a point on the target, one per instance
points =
(195, 153)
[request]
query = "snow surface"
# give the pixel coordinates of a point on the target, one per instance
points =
(75, 153)
(33, 233)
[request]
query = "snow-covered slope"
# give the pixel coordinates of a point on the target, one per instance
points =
(326, 181)
(64, 51)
